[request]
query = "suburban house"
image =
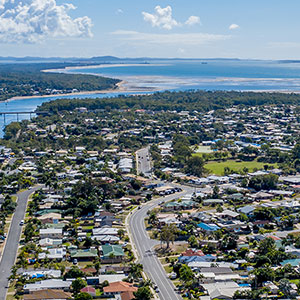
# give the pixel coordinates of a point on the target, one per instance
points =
(84, 254)
(119, 287)
(51, 233)
(112, 253)
(47, 294)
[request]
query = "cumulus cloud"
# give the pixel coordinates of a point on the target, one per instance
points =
(30, 21)
(192, 20)
(163, 18)
(190, 39)
(234, 26)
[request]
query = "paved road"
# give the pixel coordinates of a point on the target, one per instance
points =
(143, 162)
(12, 242)
(143, 244)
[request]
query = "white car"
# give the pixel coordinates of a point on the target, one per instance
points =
(22, 223)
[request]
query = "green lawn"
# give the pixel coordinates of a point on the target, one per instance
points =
(217, 168)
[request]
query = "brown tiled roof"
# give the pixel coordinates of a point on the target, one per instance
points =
(47, 294)
(127, 296)
(90, 270)
(120, 286)
(191, 252)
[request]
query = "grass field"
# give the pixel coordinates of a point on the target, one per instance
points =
(217, 168)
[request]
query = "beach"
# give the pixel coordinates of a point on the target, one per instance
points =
(121, 88)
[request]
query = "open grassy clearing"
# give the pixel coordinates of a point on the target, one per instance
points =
(217, 168)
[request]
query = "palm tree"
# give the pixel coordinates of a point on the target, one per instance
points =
(135, 271)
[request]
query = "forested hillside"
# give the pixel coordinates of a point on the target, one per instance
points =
(27, 80)
(188, 100)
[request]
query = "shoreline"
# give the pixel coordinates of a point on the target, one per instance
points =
(144, 91)
(99, 66)
(120, 88)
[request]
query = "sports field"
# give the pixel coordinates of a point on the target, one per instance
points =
(217, 168)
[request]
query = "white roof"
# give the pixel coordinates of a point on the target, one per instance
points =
(111, 277)
(50, 230)
(205, 264)
(106, 238)
(48, 284)
(105, 231)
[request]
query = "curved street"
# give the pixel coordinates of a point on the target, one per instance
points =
(144, 245)
(12, 242)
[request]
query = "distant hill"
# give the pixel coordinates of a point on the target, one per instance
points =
(106, 59)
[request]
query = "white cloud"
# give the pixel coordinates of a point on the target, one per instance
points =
(234, 26)
(192, 20)
(119, 11)
(162, 18)
(190, 39)
(30, 21)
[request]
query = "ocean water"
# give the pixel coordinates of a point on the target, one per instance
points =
(239, 75)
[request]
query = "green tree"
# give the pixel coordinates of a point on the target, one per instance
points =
(74, 272)
(168, 234)
(186, 275)
(143, 293)
(135, 271)
(296, 151)
(285, 287)
(193, 241)
(263, 274)
(195, 166)
(263, 182)
(83, 296)
(121, 233)
(11, 130)
(265, 246)
(78, 284)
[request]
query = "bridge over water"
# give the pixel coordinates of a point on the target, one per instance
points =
(30, 113)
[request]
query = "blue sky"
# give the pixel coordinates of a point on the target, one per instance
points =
(265, 29)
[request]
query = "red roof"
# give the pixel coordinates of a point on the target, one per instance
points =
(127, 296)
(192, 252)
(119, 287)
(89, 290)
(274, 237)
(89, 270)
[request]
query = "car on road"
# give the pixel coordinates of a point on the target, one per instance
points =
(22, 223)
